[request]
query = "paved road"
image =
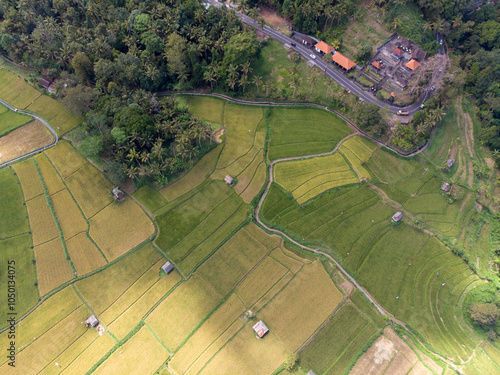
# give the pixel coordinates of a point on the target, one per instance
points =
(54, 133)
(328, 69)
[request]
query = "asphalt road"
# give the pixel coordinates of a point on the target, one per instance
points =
(329, 70)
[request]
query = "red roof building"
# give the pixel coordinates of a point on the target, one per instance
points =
(343, 61)
(396, 51)
(413, 64)
(376, 64)
(323, 47)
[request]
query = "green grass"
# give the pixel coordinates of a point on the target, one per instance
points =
(210, 109)
(337, 344)
(409, 273)
(189, 232)
(18, 250)
(13, 220)
(10, 120)
(150, 198)
(303, 131)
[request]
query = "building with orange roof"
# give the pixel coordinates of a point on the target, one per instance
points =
(376, 64)
(323, 47)
(343, 61)
(413, 64)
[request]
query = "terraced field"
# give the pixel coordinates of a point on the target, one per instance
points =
(82, 254)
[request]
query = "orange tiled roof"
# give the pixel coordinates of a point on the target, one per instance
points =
(376, 64)
(323, 47)
(397, 51)
(343, 61)
(413, 64)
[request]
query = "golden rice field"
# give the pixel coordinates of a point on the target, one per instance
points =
(70, 218)
(311, 293)
(139, 308)
(51, 178)
(104, 288)
(15, 90)
(308, 178)
(84, 254)
(120, 227)
(43, 226)
(142, 353)
(29, 137)
(65, 158)
(52, 267)
(55, 114)
(179, 314)
(90, 189)
(205, 337)
(30, 181)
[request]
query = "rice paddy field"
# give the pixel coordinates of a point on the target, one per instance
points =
(81, 254)
(10, 120)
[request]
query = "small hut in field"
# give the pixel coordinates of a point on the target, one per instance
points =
(397, 216)
(449, 163)
(229, 180)
(446, 187)
(167, 268)
(92, 321)
(118, 194)
(260, 328)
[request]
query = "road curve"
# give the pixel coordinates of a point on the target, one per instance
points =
(54, 133)
(328, 69)
(277, 104)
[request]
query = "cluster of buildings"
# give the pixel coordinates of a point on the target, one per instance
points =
(324, 49)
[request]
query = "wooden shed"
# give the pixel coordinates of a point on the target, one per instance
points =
(92, 321)
(397, 216)
(260, 328)
(118, 194)
(167, 268)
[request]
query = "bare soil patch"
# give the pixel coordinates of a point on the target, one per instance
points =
(273, 19)
(23, 140)
(218, 135)
(391, 355)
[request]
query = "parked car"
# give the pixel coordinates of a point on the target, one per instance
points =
(403, 113)
(441, 42)
(312, 56)
(293, 44)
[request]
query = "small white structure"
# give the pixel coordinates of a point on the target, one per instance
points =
(260, 328)
(446, 187)
(167, 268)
(397, 216)
(229, 180)
(92, 321)
(449, 163)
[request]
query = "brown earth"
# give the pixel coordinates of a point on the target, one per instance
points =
(23, 140)
(218, 135)
(273, 19)
(391, 355)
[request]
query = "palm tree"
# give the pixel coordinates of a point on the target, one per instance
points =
(208, 76)
(245, 68)
(257, 80)
(243, 81)
(396, 22)
(312, 79)
(261, 23)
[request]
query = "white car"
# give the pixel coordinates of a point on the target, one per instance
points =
(312, 56)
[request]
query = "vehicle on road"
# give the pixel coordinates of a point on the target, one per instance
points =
(441, 42)
(403, 113)
(293, 44)
(312, 56)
